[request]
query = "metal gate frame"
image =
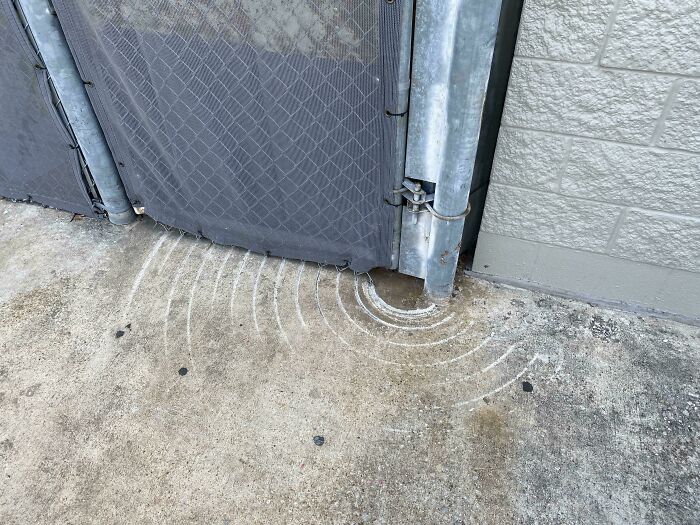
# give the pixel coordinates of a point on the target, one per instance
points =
(58, 60)
(445, 53)
(453, 48)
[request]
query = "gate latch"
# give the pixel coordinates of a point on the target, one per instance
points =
(416, 197)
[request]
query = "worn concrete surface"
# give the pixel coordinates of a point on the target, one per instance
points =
(505, 406)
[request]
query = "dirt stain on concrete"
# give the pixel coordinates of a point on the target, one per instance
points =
(493, 455)
(400, 291)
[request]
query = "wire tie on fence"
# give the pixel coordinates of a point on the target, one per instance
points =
(390, 114)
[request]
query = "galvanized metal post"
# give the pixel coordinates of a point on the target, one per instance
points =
(453, 49)
(57, 58)
(401, 112)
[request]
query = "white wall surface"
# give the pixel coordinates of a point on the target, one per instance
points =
(595, 188)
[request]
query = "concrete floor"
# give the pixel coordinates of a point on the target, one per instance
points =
(149, 377)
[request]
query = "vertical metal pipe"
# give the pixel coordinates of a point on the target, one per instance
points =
(57, 58)
(402, 101)
(454, 45)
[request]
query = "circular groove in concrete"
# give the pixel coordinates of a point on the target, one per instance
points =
(290, 304)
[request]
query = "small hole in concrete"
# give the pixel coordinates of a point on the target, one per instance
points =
(182, 371)
(319, 440)
(119, 333)
(527, 386)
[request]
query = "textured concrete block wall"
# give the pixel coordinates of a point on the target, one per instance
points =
(595, 187)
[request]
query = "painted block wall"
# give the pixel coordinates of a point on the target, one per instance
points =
(595, 187)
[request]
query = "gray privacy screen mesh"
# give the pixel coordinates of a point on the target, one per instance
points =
(258, 123)
(37, 161)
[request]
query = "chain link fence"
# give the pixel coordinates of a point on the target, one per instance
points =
(258, 123)
(40, 162)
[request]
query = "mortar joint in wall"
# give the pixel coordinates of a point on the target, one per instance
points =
(668, 105)
(608, 32)
(565, 162)
(616, 230)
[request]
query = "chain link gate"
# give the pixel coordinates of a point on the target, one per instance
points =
(40, 159)
(267, 124)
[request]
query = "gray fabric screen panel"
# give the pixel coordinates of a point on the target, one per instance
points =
(257, 123)
(38, 161)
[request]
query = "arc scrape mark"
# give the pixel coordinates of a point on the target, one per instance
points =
(278, 281)
(255, 294)
(172, 293)
(381, 305)
(297, 305)
(234, 288)
(323, 315)
(144, 268)
(379, 320)
(495, 390)
(393, 343)
(385, 361)
(218, 278)
(170, 252)
(205, 257)
(500, 359)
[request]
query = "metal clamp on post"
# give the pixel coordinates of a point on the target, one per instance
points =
(418, 201)
(442, 217)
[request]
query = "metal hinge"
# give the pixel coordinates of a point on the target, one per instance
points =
(418, 200)
(99, 208)
(418, 214)
(416, 197)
